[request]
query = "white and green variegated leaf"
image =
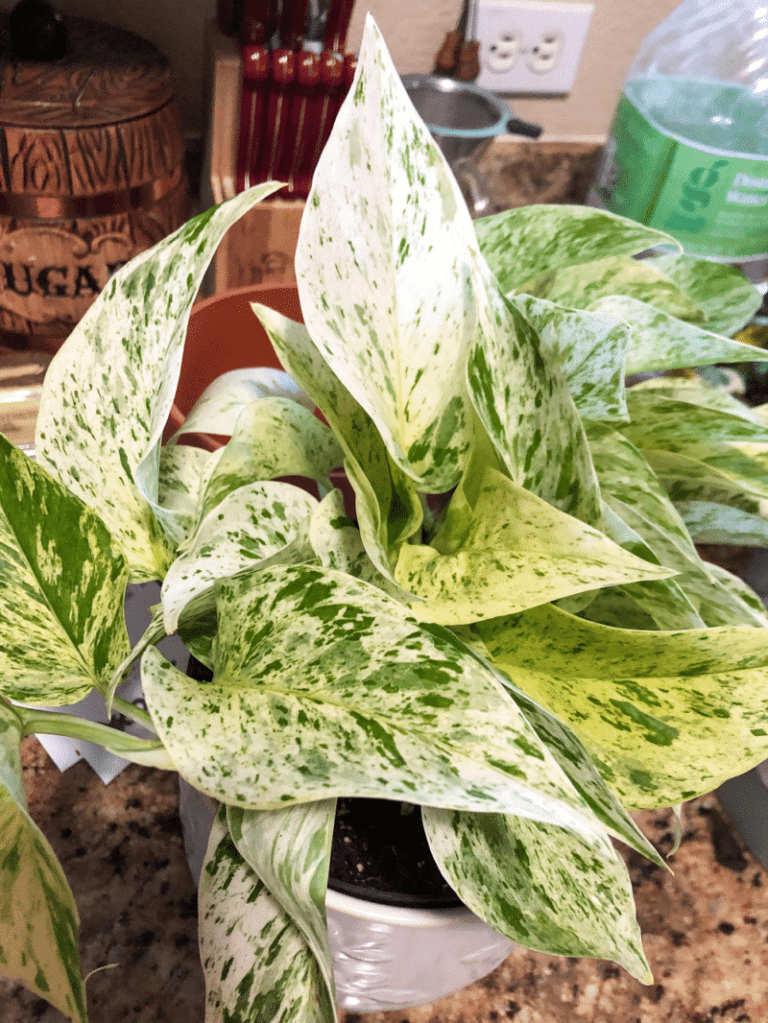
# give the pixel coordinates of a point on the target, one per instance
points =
(578, 287)
(541, 885)
(107, 394)
(336, 541)
(590, 350)
(501, 549)
(567, 749)
(250, 528)
(387, 505)
(527, 410)
(384, 273)
(659, 341)
(220, 405)
(257, 965)
(710, 522)
(665, 716)
(324, 686)
(742, 593)
(290, 851)
(522, 243)
(727, 296)
(686, 478)
(178, 492)
(272, 437)
(692, 422)
(62, 629)
(38, 916)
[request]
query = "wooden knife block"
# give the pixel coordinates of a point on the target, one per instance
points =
(261, 246)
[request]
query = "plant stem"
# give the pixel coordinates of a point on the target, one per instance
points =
(149, 752)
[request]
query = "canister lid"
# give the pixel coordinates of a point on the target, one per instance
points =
(106, 75)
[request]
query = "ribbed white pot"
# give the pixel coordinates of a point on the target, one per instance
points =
(384, 957)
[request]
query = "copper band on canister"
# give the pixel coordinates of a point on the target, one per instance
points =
(22, 206)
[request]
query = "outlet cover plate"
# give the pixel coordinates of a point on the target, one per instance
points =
(530, 46)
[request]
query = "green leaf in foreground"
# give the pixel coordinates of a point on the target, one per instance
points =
(324, 686)
(38, 917)
(541, 885)
(664, 715)
(506, 550)
(108, 392)
(62, 629)
(290, 851)
(257, 966)
(398, 348)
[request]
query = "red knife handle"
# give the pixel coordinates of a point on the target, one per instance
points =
(255, 83)
(301, 126)
(337, 24)
(258, 23)
(283, 74)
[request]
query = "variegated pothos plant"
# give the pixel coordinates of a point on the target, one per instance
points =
(544, 649)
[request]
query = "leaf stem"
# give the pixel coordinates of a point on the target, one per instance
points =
(148, 752)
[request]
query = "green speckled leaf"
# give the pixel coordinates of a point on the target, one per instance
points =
(501, 549)
(38, 917)
(108, 392)
(248, 529)
(541, 885)
(590, 350)
(728, 298)
(62, 581)
(522, 243)
(290, 851)
(384, 274)
(659, 341)
(257, 966)
(387, 505)
(665, 716)
(324, 686)
(525, 406)
(686, 478)
(178, 492)
(272, 437)
(710, 522)
(580, 286)
(219, 406)
(690, 422)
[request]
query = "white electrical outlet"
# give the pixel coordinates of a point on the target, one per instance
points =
(530, 45)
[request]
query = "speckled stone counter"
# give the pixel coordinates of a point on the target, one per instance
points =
(705, 926)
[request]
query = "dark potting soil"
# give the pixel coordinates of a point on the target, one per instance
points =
(379, 850)
(380, 853)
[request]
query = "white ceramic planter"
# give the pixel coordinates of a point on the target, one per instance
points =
(384, 957)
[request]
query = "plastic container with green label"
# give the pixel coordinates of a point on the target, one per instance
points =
(687, 150)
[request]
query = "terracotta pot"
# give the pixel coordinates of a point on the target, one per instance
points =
(384, 957)
(223, 334)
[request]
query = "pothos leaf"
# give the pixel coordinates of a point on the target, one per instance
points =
(659, 341)
(541, 885)
(526, 408)
(590, 350)
(506, 550)
(324, 686)
(384, 277)
(727, 297)
(251, 526)
(388, 508)
(665, 716)
(62, 629)
(522, 243)
(257, 965)
(38, 917)
(107, 394)
(290, 851)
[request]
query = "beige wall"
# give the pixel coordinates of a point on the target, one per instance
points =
(414, 31)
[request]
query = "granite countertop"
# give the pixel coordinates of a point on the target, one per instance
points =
(705, 925)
